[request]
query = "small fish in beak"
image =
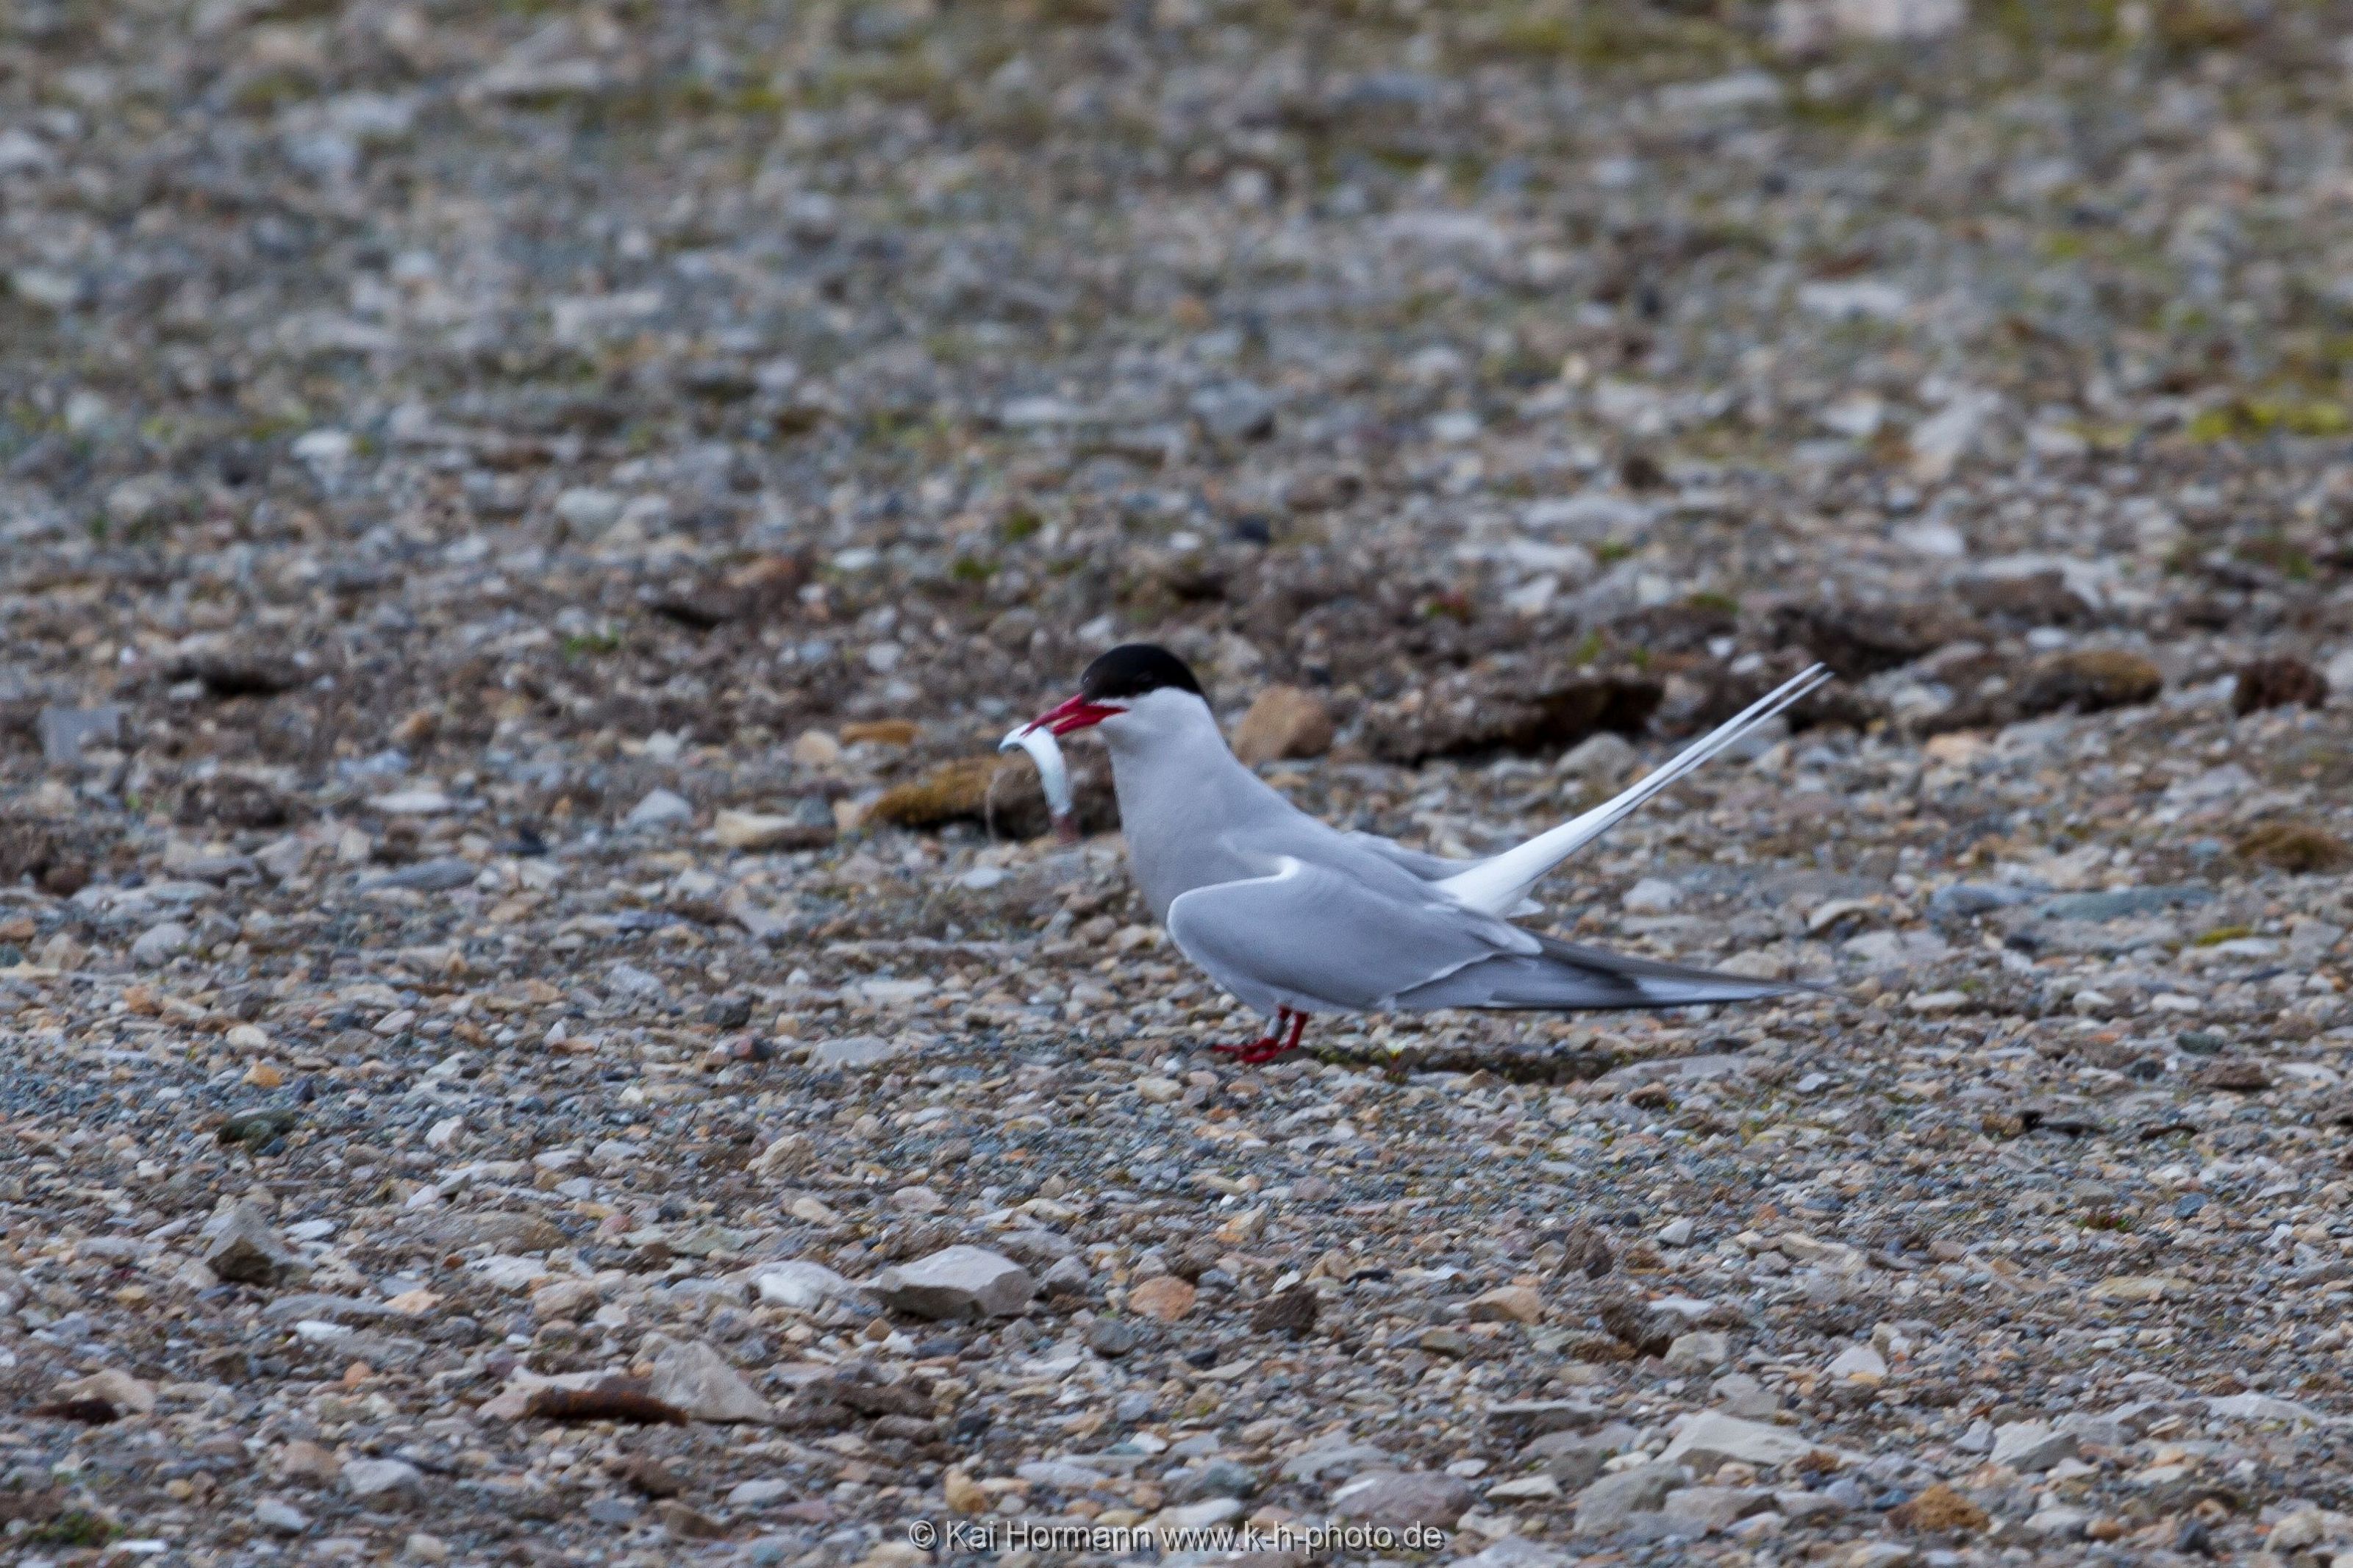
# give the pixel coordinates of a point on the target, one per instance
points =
(1053, 775)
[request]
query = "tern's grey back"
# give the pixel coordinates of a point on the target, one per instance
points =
(1194, 816)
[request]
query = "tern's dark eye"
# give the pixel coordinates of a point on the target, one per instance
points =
(1134, 669)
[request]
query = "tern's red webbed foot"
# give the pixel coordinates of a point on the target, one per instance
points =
(1271, 1044)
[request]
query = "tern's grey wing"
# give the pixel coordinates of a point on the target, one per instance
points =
(1429, 867)
(1565, 976)
(1315, 937)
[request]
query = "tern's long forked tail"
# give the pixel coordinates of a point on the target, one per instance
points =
(1496, 885)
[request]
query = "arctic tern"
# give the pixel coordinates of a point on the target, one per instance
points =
(1294, 917)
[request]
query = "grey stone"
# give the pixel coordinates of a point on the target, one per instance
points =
(1068, 1278)
(1062, 1476)
(1704, 1511)
(960, 1281)
(698, 1380)
(799, 1284)
(2027, 1446)
(758, 1494)
(1517, 1552)
(2058, 1522)
(1739, 1393)
(328, 1308)
(2122, 903)
(1578, 1465)
(2100, 1431)
(280, 1518)
(1963, 899)
(160, 943)
(1218, 1477)
(1652, 896)
(374, 1479)
(1701, 1349)
(1529, 1418)
(1114, 1337)
(443, 875)
(64, 732)
(242, 1247)
(1604, 758)
(1400, 1498)
(1234, 411)
(1711, 1437)
(659, 808)
(627, 979)
(588, 510)
(1604, 1507)
(1801, 1505)
(857, 1051)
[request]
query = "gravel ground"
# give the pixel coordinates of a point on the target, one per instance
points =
(534, 1030)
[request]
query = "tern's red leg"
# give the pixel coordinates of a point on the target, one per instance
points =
(1266, 1046)
(1273, 1045)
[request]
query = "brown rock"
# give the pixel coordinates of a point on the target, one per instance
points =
(48, 852)
(2088, 680)
(517, 1232)
(646, 1474)
(116, 1388)
(2275, 683)
(1286, 722)
(952, 791)
(1634, 1324)
(687, 1523)
(963, 1494)
(229, 800)
(763, 588)
(1859, 640)
(309, 1463)
(1507, 709)
(243, 673)
(881, 731)
(1164, 1296)
(759, 832)
(1507, 1304)
(1000, 793)
(1292, 1311)
(1401, 1498)
(1936, 1509)
(2294, 847)
(2239, 1076)
(241, 1245)
(2034, 599)
(1586, 1251)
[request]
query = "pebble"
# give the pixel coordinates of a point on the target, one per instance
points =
(1285, 723)
(242, 1245)
(858, 1051)
(658, 809)
(379, 1481)
(692, 1376)
(1652, 896)
(279, 1517)
(1608, 1505)
(1507, 1304)
(1603, 758)
(961, 1281)
(2030, 1447)
(1402, 1497)
(799, 1284)
(1164, 1298)
(160, 943)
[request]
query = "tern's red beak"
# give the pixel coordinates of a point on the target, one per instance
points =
(1078, 713)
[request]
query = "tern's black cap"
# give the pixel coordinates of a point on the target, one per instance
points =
(1134, 669)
